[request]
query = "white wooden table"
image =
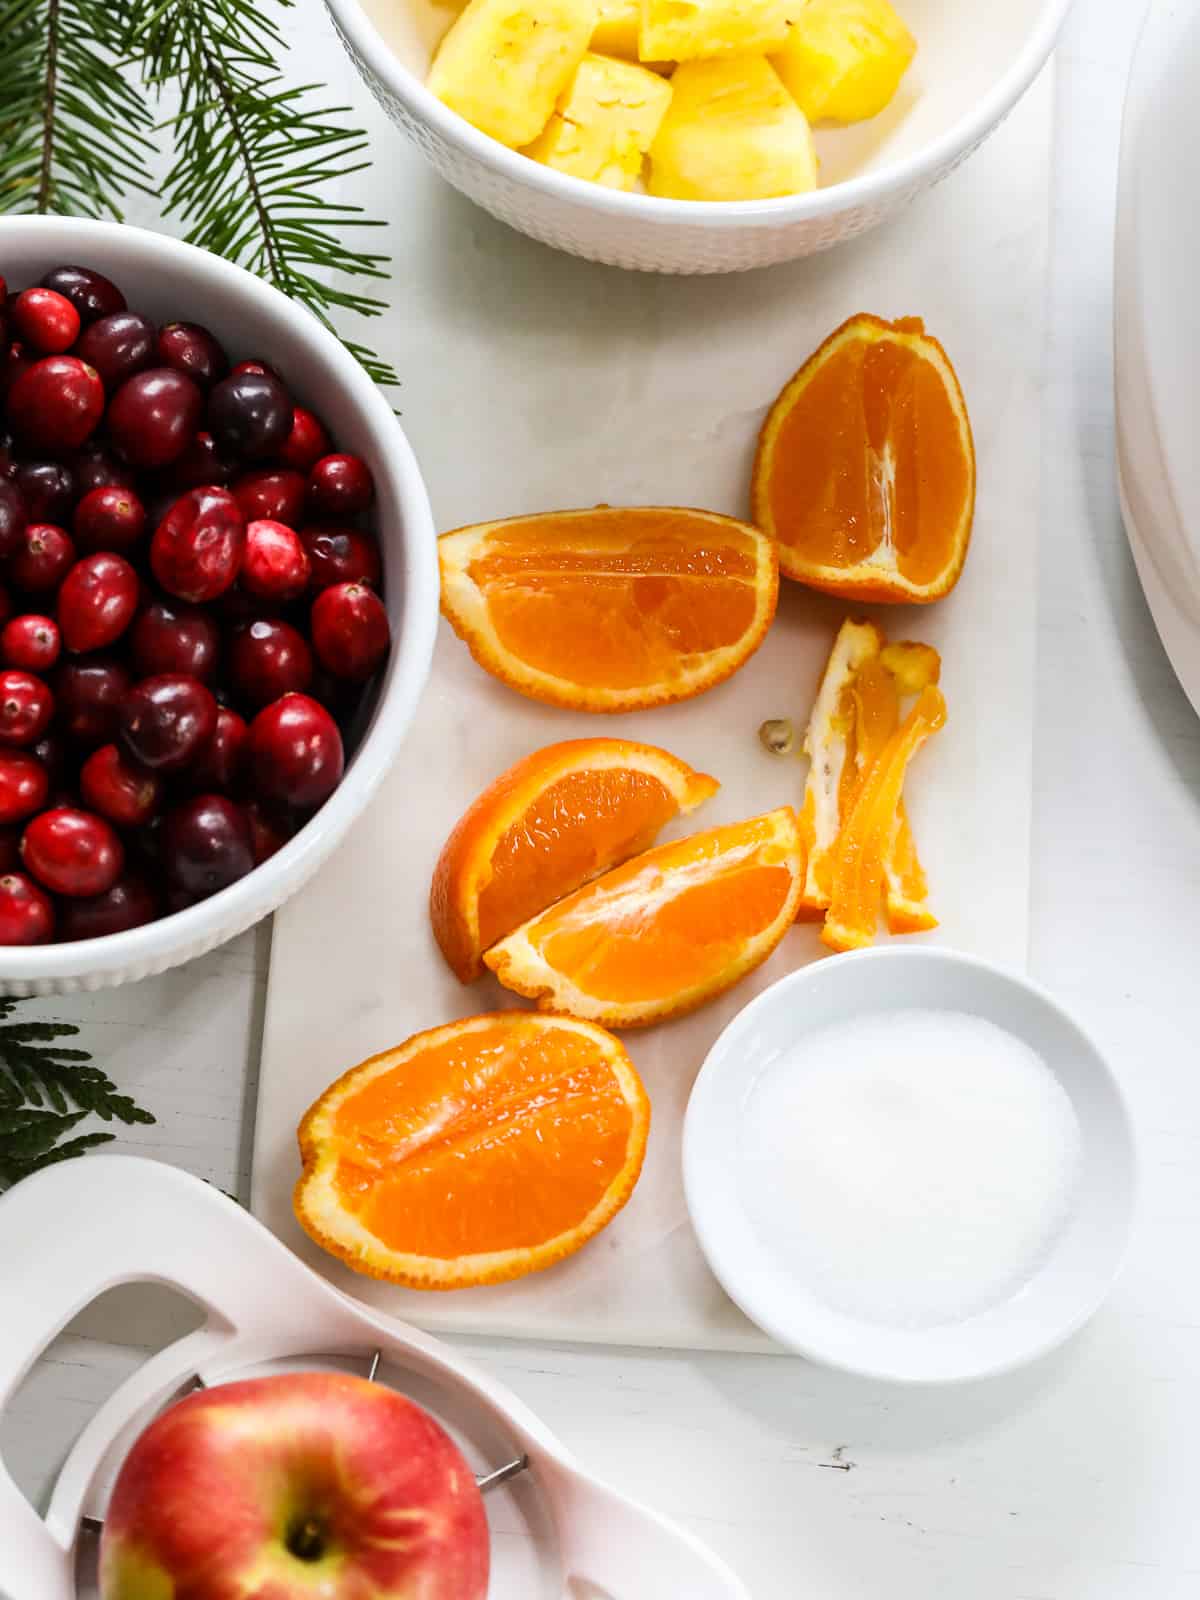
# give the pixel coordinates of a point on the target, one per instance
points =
(1071, 1481)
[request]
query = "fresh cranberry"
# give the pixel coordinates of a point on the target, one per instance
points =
(340, 486)
(48, 490)
(14, 361)
(192, 349)
(88, 695)
(350, 631)
(130, 903)
(72, 852)
(257, 369)
(197, 549)
(218, 764)
(95, 467)
(118, 346)
(109, 518)
(306, 443)
(341, 555)
(26, 912)
(43, 558)
(90, 292)
(97, 602)
(166, 720)
(45, 320)
(294, 753)
(269, 831)
(56, 403)
(26, 707)
(277, 496)
(249, 415)
(30, 642)
(207, 845)
(169, 636)
(24, 785)
(153, 415)
(275, 566)
(267, 659)
(200, 464)
(112, 785)
(12, 518)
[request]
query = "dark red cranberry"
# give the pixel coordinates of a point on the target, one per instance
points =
(44, 320)
(269, 830)
(257, 368)
(169, 636)
(340, 486)
(96, 468)
(249, 415)
(197, 549)
(350, 632)
(341, 555)
(26, 912)
(207, 845)
(276, 495)
(201, 463)
(88, 695)
(26, 707)
(14, 361)
(108, 518)
(51, 752)
(153, 415)
(72, 852)
(218, 764)
(97, 602)
(30, 642)
(91, 293)
(111, 784)
(166, 720)
(267, 659)
(275, 566)
(130, 903)
(43, 558)
(6, 605)
(24, 785)
(118, 346)
(56, 403)
(306, 443)
(294, 753)
(192, 349)
(48, 490)
(12, 518)
(10, 848)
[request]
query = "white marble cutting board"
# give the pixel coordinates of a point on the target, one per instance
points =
(536, 381)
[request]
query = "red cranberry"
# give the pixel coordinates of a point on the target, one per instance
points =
(26, 912)
(72, 852)
(24, 785)
(97, 601)
(192, 349)
(257, 368)
(350, 631)
(275, 566)
(88, 695)
(340, 486)
(90, 292)
(276, 496)
(56, 403)
(96, 468)
(45, 320)
(267, 659)
(30, 642)
(153, 415)
(166, 720)
(200, 463)
(196, 552)
(169, 636)
(110, 784)
(130, 903)
(306, 443)
(341, 555)
(249, 415)
(294, 753)
(43, 558)
(218, 763)
(118, 346)
(48, 490)
(268, 830)
(26, 707)
(14, 361)
(207, 845)
(109, 518)
(12, 518)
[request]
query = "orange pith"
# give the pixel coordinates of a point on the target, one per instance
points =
(475, 1152)
(865, 472)
(559, 817)
(666, 931)
(613, 609)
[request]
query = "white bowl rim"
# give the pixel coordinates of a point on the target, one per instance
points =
(919, 167)
(932, 955)
(207, 923)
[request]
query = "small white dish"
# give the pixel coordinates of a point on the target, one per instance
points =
(1060, 1294)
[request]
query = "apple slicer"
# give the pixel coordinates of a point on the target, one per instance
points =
(69, 1233)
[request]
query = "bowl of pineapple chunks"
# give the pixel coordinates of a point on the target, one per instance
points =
(696, 135)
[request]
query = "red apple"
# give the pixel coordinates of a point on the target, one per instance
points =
(304, 1485)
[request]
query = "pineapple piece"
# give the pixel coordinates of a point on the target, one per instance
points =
(616, 32)
(691, 30)
(844, 59)
(605, 122)
(504, 63)
(732, 132)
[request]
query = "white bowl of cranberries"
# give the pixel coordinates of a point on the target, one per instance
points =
(218, 596)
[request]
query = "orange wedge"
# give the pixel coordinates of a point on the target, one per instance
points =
(473, 1153)
(550, 823)
(865, 472)
(613, 609)
(666, 931)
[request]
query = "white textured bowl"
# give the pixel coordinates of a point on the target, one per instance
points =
(1063, 1291)
(975, 60)
(167, 279)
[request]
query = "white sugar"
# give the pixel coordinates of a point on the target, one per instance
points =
(909, 1168)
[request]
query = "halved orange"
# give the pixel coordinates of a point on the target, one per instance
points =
(556, 819)
(865, 472)
(666, 931)
(614, 609)
(475, 1152)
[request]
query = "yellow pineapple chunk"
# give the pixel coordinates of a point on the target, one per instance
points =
(732, 132)
(605, 122)
(504, 63)
(616, 31)
(844, 59)
(692, 30)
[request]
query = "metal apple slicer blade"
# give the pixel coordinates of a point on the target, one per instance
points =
(75, 1230)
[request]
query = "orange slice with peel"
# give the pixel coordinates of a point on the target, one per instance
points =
(666, 931)
(475, 1152)
(865, 472)
(556, 819)
(614, 609)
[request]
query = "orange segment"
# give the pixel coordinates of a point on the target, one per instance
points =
(550, 823)
(612, 609)
(475, 1152)
(666, 931)
(865, 472)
